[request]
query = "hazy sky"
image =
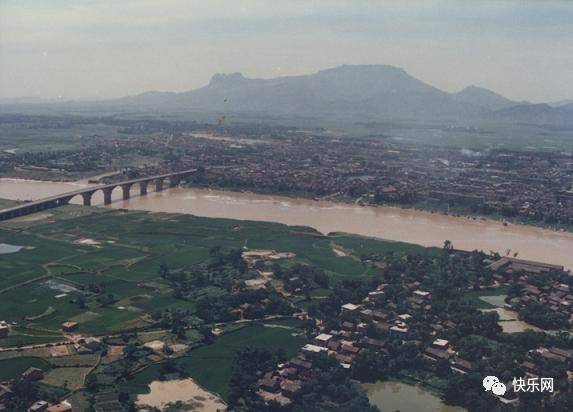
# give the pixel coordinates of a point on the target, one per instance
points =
(107, 48)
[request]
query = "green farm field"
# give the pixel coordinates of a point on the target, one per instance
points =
(42, 283)
(210, 365)
(13, 367)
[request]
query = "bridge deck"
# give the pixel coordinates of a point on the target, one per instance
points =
(89, 189)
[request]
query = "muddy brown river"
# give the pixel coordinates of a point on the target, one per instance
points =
(407, 225)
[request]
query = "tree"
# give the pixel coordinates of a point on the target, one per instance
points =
(207, 334)
(370, 366)
(448, 246)
(163, 270)
(91, 383)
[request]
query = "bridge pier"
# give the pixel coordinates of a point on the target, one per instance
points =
(87, 196)
(143, 187)
(175, 178)
(159, 185)
(107, 194)
(174, 181)
(126, 189)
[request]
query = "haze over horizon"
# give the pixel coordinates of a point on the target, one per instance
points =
(105, 49)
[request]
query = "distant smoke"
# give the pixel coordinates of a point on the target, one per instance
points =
(474, 153)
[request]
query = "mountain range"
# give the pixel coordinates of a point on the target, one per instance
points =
(375, 91)
(369, 90)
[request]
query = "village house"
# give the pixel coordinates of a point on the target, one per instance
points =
(435, 355)
(531, 368)
(512, 265)
(69, 326)
(64, 406)
(461, 366)
(270, 384)
(400, 331)
(33, 374)
(333, 345)
(565, 355)
(349, 349)
(290, 388)
(88, 345)
(372, 296)
(422, 294)
(309, 347)
(323, 339)
(348, 326)
(372, 344)
(350, 308)
(300, 364)
(441, 344)
(4, 329)
(39, 406)
(5, 392)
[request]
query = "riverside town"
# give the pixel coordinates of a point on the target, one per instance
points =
(251, 206)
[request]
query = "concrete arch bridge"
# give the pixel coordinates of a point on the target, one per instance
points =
(173, 179)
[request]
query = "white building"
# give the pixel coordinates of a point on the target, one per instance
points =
(323, 339)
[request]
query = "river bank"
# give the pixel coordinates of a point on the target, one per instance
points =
(386, 222)
(438, 208)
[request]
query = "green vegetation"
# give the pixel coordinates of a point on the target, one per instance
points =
(363, 246)
(475, 297)
(69, 378)
(178, 296)
(71, 280)
(210, 365)
(15, 366)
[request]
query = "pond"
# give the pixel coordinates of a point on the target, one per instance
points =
(392, 396)
(6, 248)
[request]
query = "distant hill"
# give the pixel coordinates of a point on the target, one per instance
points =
(560, 103)
(536, 114)
(484, 98)
(366, 89)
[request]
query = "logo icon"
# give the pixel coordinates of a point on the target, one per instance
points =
(492, 383)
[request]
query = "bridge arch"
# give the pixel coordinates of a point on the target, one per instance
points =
(86, 194)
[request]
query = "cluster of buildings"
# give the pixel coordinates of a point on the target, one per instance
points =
(552, 294)
(43, 406)
(282, 384)
(31, 375)
(404, 321)
(556, 297)
(532, 367)
(532, 185)
(81, 346)
(354, 336)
